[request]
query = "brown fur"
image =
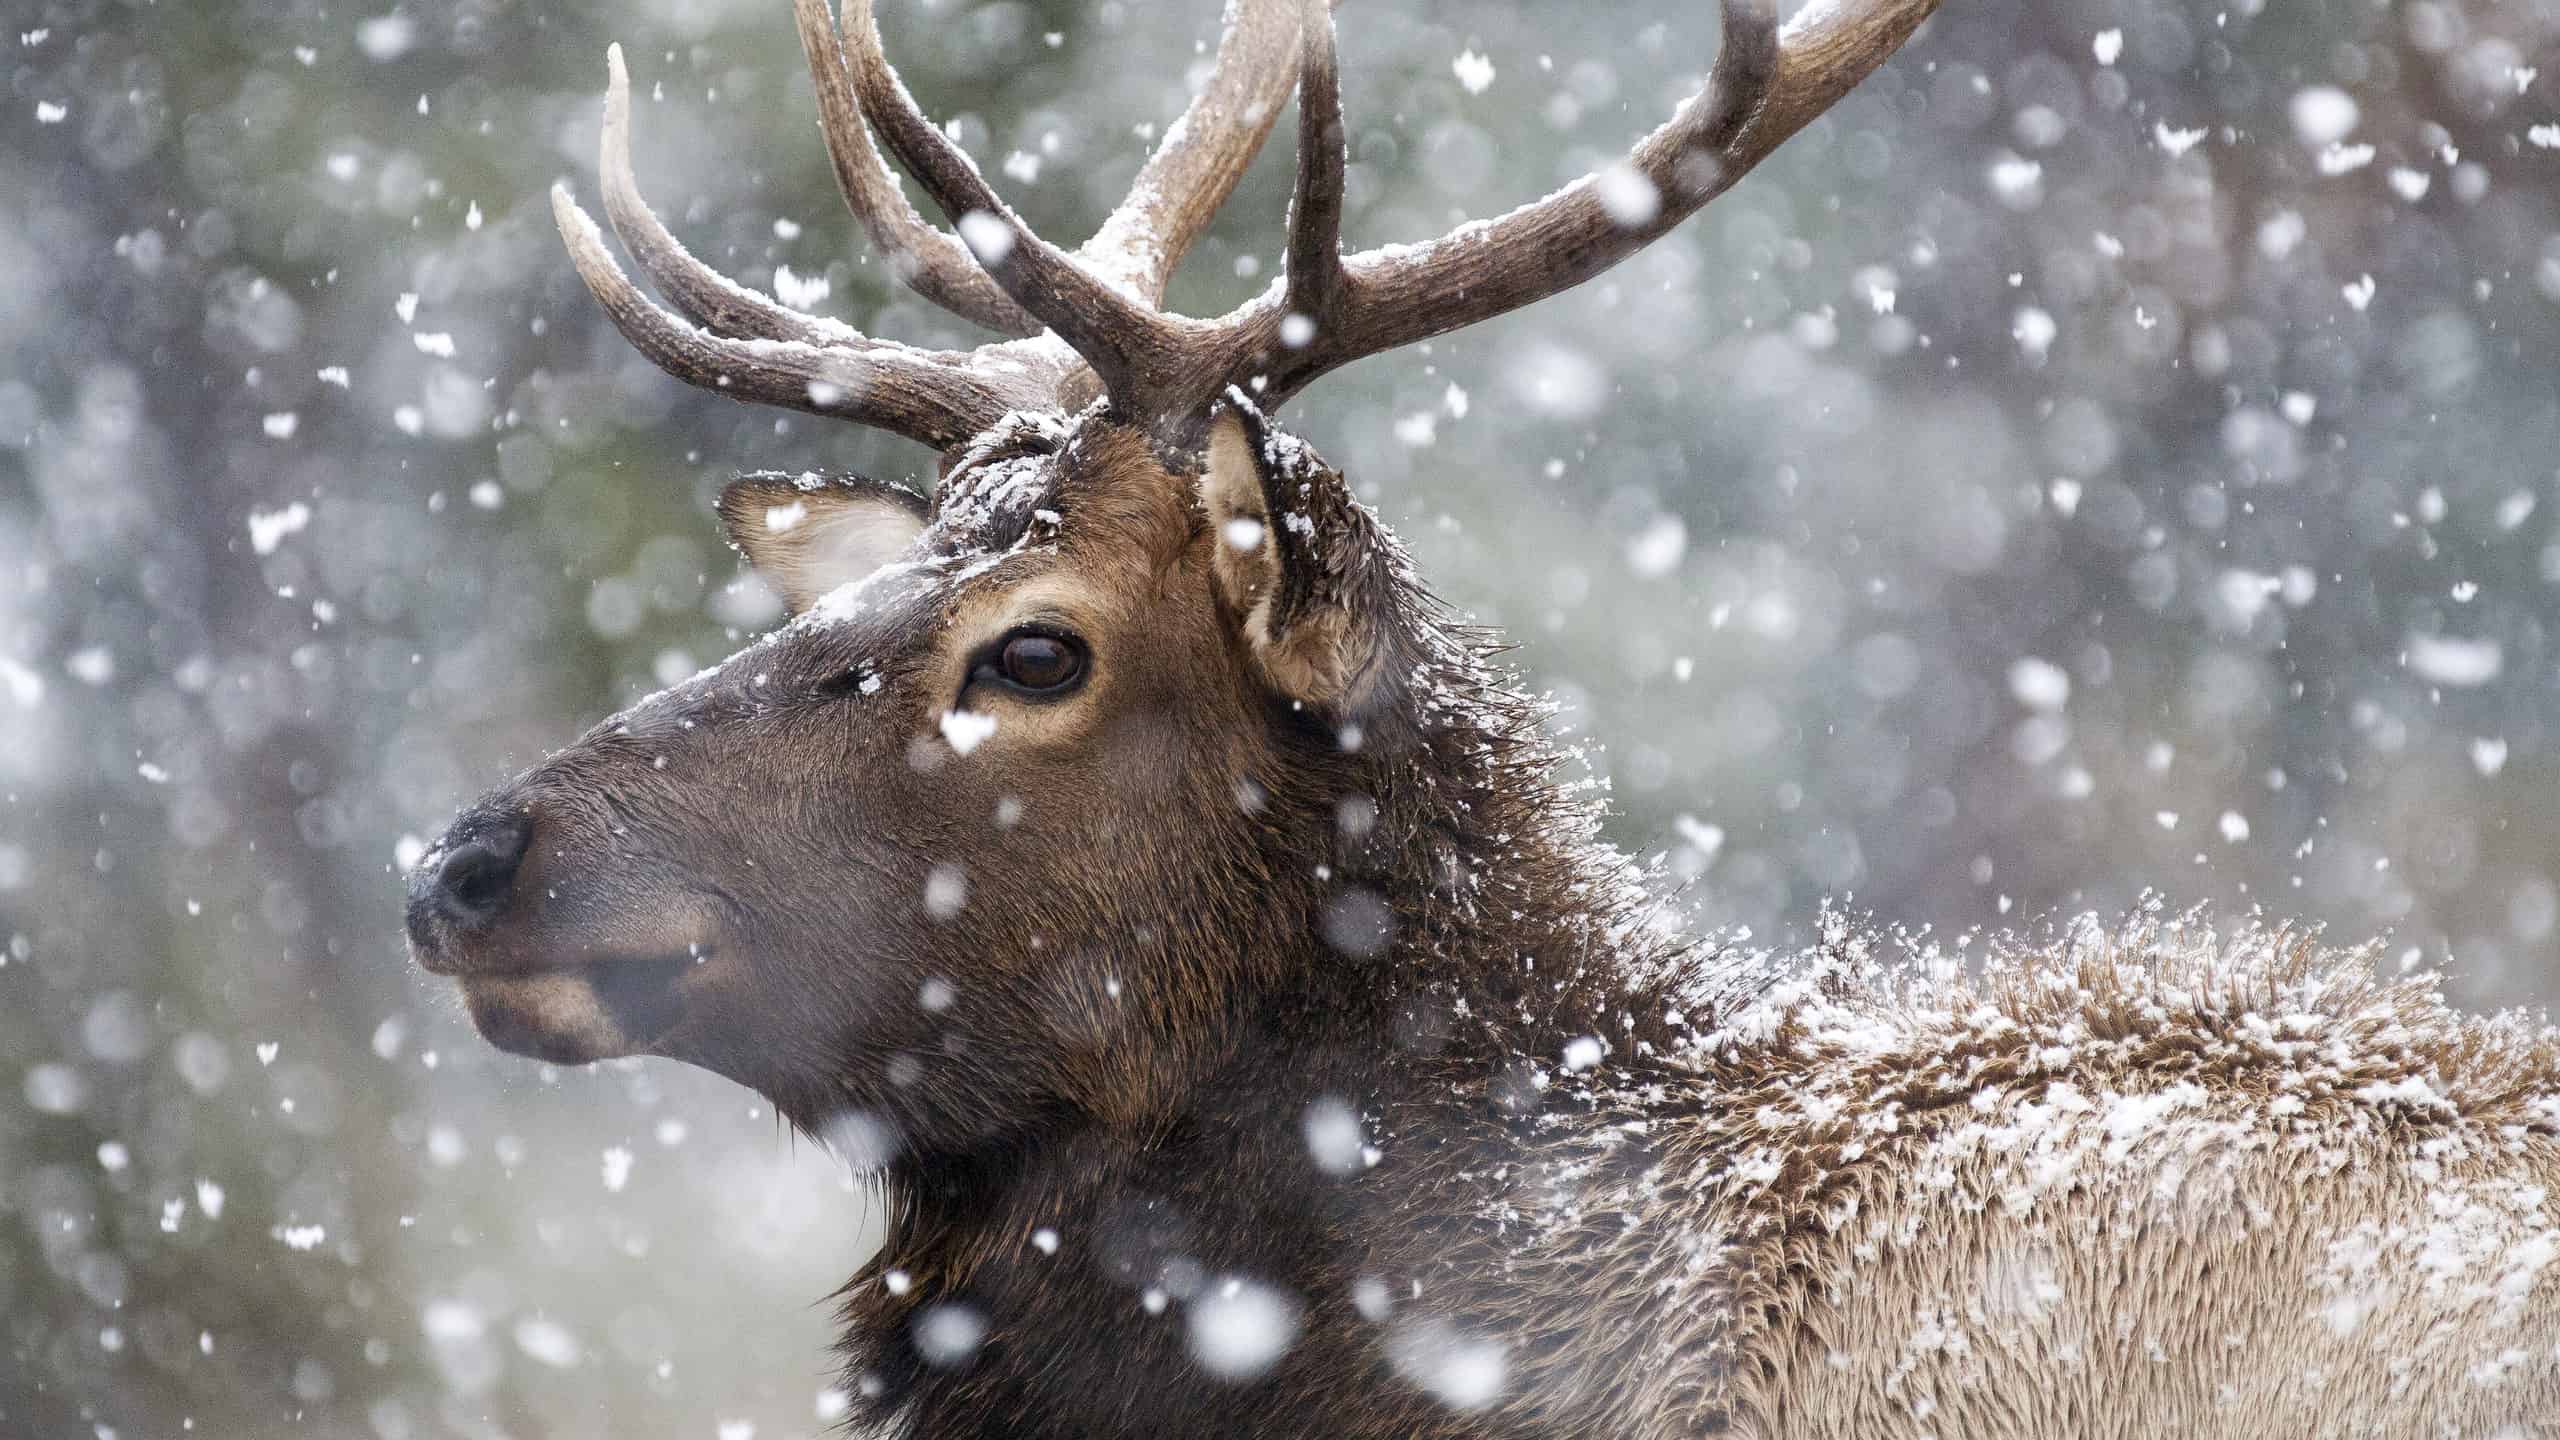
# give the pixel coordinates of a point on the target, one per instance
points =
(2153, 1182)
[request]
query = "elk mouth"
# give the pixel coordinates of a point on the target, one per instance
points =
(592, 1009)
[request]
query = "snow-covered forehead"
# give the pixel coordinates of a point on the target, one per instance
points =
(1088, 489)
(1005, 482)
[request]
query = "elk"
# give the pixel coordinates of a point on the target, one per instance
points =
(1122, 854)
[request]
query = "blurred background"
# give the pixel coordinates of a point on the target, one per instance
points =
(2114, 452)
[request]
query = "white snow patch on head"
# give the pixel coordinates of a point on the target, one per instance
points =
(967, 729)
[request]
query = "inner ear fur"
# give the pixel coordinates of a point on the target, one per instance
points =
(809, 534)
(1297, 561)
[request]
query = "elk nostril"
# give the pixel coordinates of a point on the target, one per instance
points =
(476, 876)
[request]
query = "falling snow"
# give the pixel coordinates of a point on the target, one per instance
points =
(2461, 662)
(268, 528)
(966, 730)
(2129, 479)
(1240, 1328)
(2177, 141)
(1474, 72)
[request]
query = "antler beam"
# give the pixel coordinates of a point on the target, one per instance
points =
(1111, 329)
(703, 294)
(724, 336)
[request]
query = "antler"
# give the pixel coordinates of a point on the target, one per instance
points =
(1162, 369)
(1765, 86)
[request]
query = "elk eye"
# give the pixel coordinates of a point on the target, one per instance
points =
(1038, 663)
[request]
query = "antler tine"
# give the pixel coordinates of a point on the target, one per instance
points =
(1314, 288)
(930, 397)
(711, 299)
(1766, 85)
(1111, 330)
(932, 262)
(1205, 152)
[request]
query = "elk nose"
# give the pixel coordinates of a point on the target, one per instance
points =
(471, 884)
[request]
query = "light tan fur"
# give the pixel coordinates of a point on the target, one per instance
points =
(2154, 1183)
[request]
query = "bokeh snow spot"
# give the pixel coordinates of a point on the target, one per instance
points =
(1240, 1328)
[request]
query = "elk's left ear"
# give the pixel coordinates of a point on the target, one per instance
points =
(808, 534)
(1301, 564)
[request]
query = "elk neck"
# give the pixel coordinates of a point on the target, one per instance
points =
(1439, 924)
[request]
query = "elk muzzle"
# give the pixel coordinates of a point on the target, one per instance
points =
(477, 914)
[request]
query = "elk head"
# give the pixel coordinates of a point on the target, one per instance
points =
(1049, 773)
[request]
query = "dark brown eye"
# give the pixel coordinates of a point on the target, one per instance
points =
(1039, 663)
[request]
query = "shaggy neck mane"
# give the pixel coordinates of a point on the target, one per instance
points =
(1516, 929)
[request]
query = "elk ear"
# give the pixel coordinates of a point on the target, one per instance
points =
(1300, 564)
(808, 534)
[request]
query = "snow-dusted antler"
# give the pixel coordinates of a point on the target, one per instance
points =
(1766, 85)
(721, 335)
(1160, 369)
